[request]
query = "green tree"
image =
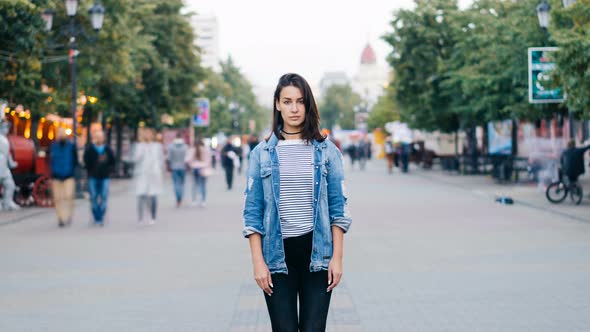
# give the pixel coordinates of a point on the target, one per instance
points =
(422, 42)
(384, 111)
(487, 72)
(243, 96)
(21, 53)
(231, 98)
(172, 72)
(570, 29)
(337, 106)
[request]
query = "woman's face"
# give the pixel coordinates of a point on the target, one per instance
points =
(292, 108)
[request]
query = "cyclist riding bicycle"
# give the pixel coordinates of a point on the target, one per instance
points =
(572, 161)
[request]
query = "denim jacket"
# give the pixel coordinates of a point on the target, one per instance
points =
(261, 213)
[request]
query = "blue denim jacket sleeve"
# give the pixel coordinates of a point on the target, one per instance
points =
(254, 197)
(337, 196)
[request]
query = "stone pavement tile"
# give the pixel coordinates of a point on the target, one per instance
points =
(527, 194)
(118, 186)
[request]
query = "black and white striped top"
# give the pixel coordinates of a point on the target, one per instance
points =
(296, 192)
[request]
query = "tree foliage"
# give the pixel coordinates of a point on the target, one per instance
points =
(384, 111)
(462, 68)
(232, 99)
(337, 107)
(20, 52)
(423, 42)
(570, 29)
(143, 63)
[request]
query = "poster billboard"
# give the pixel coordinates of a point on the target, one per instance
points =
(541, 63)
(500, 137)
(201, 113)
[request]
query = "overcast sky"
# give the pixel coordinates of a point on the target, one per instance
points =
(267, 38)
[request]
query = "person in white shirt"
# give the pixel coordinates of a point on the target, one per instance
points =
(149, 173)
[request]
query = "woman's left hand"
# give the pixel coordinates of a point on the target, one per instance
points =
(334, 273)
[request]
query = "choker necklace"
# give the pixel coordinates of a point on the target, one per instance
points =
(284, 132)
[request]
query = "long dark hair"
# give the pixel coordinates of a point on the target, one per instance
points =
(199, 145)
(311, 125)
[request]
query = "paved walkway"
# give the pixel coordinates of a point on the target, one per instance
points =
(423, 254)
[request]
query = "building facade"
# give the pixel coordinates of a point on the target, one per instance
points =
(207, 39)
(371, 78)
(332, 78)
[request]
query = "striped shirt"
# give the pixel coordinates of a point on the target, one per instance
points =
(296, 192)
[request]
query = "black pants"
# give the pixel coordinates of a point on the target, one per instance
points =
(229, 176)
(311, 287)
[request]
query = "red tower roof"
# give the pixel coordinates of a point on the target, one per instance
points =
(368, 57)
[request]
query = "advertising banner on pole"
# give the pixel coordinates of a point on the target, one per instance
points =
(201, 113)
(500, 137)
(541, 64)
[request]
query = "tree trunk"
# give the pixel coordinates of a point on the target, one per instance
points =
(119, 147)
(472, 149)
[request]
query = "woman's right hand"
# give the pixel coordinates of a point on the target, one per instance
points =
(262, 277)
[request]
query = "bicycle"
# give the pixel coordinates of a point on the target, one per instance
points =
(558, 191)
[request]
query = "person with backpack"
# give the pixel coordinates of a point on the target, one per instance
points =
(63, 161)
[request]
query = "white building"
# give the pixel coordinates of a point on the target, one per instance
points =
(371, 77)
(332, 78)
(207, 30)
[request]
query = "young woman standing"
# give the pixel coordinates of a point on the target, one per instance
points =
(295, 212)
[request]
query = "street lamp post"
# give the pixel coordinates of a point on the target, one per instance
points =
(96, 13)
(543, 14)
(234, 108)
(360, 113)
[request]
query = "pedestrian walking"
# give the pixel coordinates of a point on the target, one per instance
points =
(149, 174)
(239, 151)
(363, 153)
(229, 161)
(63, 159)
(7, 163)
(176, 156)
(405, 151)
(295, 212)
(389, 154)
(99, 161)
(198, 160)
(352, 151)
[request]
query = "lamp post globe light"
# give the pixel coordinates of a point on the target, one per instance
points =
(543, 13)
(47, 16)
(543, 10)
(71, 7)
(96, 13)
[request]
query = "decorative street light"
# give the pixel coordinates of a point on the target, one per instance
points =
(71, 7)
(543, 10)
(360, 115)
(567, 3)
(543, 14)
(47, 16)
(96, 13)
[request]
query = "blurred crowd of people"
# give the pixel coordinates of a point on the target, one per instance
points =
(151, 159)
